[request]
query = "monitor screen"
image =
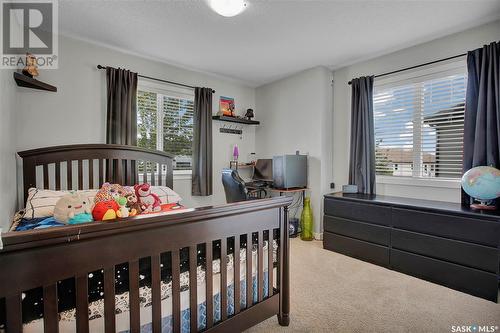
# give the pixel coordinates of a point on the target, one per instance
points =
(263, 169)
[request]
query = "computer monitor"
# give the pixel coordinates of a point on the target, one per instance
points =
(263, 170)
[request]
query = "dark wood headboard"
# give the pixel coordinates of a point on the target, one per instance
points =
(91, 165)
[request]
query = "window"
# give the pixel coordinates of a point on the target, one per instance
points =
(419, 120)
(165, 122)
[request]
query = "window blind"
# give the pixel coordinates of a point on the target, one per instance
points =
(165, 123)
(419, 126)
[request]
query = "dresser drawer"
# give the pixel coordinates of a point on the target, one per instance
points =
(359, 230)
(451, 275)
(377, 214)
(468, 254)
(449, 226)
(373, 253)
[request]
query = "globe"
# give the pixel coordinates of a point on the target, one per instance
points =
(482, 183)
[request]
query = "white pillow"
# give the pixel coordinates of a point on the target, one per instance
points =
(166, 194)
(41, 203)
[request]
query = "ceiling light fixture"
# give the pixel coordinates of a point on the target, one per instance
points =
(227, 8)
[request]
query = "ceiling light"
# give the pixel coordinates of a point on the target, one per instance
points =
(227, 8)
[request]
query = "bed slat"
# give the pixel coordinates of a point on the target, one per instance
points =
(160, 168)
(82, 304)
(128, 172)
(193, 288)
(14, 313)
(58, 176)
(69, 175)
(237, 289)
(109, 299)
(45, 176)
(135, 320)
(270, 267)
(50, 315)
(119, 171)
(176, 292)
(80, 174)
(101, 172)
(91, 174)
(209, 284)
(156, 292)
(145, 172)
(249, 301)
(260, 266)
(223, 278)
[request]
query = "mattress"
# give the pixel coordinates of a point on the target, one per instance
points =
(67, 319)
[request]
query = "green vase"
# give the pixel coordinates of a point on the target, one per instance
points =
(306, 221)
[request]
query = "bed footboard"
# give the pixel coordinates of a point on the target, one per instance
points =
(249, 284)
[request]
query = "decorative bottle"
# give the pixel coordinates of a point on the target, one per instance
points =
(306, 221)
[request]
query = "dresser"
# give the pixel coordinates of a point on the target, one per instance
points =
(441, 242)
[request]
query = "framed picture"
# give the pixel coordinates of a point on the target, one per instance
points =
(226, 106)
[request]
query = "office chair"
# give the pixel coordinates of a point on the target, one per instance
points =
(235, 188)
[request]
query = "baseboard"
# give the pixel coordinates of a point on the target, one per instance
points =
(318, 235)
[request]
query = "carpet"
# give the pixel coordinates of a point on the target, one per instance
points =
(331, 292)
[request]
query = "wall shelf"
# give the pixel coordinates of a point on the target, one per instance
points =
(28, 82)
(236, 120)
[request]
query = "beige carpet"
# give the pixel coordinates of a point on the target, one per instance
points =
(336, 293)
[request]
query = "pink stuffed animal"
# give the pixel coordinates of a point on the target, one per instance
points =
(150, 202)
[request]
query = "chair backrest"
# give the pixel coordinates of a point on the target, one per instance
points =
(234, 186)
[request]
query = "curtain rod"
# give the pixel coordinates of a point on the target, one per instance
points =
(155, 79)
(417, 66)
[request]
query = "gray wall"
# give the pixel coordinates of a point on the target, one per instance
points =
(77, 112)
(440, 48)
(296, 115)
(8, 111)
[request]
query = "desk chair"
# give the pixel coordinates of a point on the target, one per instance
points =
(235, 188)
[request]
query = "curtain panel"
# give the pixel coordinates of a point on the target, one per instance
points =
(362, 148)
(121, 125)
(482, 110)
(202, 143)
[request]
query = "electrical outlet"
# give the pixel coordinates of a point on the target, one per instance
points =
(332, 185)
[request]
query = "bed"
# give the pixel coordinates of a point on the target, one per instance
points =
(148, 273)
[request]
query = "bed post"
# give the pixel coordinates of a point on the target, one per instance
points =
(284, 312)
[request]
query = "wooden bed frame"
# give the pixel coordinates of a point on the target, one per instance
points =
(41, 258)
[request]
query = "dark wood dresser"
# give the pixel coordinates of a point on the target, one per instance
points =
(441, 242)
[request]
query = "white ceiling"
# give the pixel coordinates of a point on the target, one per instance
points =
(270, 39)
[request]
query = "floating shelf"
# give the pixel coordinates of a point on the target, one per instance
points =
(236, 120)
(28, 82)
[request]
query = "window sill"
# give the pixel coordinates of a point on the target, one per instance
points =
(421, 182)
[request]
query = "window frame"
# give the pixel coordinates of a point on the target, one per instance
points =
(165, 89)
(429, 72)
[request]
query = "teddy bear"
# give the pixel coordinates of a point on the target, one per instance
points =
(106, 210)
(149, 201)
(133, 204)
(73, 208)
(110, 191)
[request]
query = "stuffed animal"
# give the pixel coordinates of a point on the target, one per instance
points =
(110, 192)
(149, 201)
(133, 204)
(106, 210)
(81, 218)
(123, 210)
(71, 205)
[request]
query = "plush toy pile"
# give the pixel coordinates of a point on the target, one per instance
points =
(114, 201)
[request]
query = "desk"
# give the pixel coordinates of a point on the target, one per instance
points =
(289, 190)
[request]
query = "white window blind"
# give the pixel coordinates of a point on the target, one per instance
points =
(165, 122)
(419, 124)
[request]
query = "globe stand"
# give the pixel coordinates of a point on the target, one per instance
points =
(483, 205)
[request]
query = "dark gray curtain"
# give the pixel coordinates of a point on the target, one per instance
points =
(121, 126)
(362, 152)
(482, 109)
(202, 142)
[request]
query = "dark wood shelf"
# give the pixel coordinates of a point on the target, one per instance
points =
(236, 120)
(28, 82)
